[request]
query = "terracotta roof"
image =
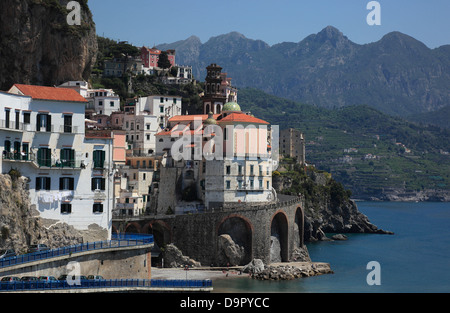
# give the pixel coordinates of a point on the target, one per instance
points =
(243, 118)
(50, 93)
(190, 118)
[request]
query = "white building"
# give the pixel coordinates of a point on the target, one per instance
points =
(103, 101)
(100, 101)
(42, 134)
(145, 118)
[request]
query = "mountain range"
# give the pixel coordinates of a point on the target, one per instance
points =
(397, 75)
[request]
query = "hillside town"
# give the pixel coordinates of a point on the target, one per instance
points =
(89, 159)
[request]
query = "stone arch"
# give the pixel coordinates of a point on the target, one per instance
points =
(240, 230)
(160, 231)
(133, 228)
(279, 246)
(299, 228)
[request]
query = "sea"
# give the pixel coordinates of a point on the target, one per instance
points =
(416, 259)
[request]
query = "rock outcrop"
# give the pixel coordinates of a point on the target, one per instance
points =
(38, 46)
(21, 227)
(230, 253)
(290, 272)
(173, 257)
(345, 218)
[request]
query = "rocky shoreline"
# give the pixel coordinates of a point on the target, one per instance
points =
(291, 271)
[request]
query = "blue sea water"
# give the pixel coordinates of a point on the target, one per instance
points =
(416, 259)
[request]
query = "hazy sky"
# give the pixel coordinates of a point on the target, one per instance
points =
(152, 22)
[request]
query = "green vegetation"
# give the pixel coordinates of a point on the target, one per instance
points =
(387, 152)
(303, 182)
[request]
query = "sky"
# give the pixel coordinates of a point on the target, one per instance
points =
(153, 22)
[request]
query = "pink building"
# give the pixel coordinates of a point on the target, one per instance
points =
(150, 57)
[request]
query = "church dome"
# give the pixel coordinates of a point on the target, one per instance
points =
(210, 120)
(231, 106)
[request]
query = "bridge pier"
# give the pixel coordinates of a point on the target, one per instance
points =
(268, 232)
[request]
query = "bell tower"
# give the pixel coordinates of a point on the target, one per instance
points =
(215, 95)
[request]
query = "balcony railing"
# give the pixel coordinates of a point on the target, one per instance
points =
(24, 157)
(66, 129)
(58, 163)
(19, 126)
(13, 125)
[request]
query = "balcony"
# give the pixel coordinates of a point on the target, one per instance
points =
(68, 129)
(60, 164)
(18, 157)
(14, 126)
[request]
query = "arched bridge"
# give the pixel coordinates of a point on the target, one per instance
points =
(269, 232)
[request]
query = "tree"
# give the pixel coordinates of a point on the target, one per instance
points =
(163, 61)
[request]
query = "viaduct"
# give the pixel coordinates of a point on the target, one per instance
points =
(269, 232)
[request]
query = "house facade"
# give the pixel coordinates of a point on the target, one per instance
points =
(150, 57)
(42, 134)
(219, 158)
(146, 117)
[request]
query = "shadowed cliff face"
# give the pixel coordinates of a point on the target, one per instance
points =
(37, 46)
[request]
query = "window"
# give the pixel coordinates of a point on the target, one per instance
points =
(43, 183)
(17, 119)
(228, 184)
(7, 118)
(99, 158)
(161, 109)
(66, 208)
(44, 157)
(67, 123)
(267, 185)
(240, 169)
(228, 170)
(26, 117)
(7, 146)
(100, 103)
(97, 208)
(66, 183)
(148, 126)
(161, 100)
(67, 158)
(251, 169)
(251, 184)
(111, 103)
(240, 184)
(43, 122)
(98, 183)
(261, 186)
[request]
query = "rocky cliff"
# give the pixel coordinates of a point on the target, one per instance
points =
(21, 226)
(328, 207)
(37, 46)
